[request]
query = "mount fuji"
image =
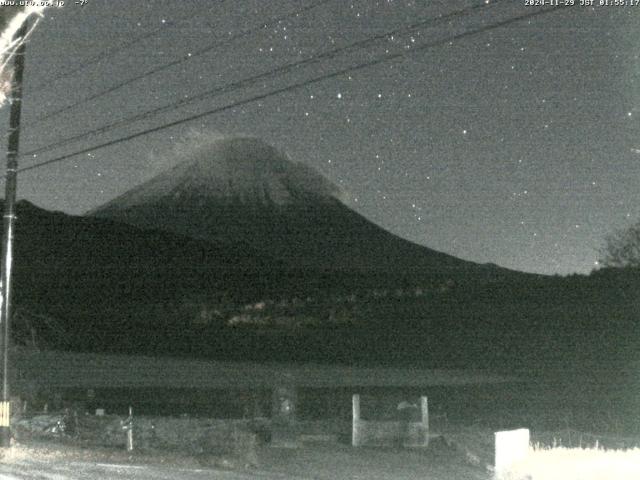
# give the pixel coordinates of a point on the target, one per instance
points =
(244, 191)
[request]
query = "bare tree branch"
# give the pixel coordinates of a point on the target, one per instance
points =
(622, 248)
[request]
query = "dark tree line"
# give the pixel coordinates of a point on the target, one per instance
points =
(622, 248)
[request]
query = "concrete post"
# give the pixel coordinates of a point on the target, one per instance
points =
(284, 403)
(355, 431)
(424, 409)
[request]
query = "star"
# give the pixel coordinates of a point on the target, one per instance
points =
(449, 87)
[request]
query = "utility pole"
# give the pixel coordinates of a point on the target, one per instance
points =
(7, 236)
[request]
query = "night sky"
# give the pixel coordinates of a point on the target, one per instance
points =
(518, 145)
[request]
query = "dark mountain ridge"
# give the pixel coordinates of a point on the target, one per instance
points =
(97, 275)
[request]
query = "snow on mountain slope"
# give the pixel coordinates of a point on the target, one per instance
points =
(244, 190)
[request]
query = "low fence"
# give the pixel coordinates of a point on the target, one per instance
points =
(402, 432)
(195, 436)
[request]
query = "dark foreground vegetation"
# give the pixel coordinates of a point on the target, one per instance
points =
(94, 285)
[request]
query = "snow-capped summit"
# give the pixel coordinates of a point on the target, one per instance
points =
(241, 170)
(244, 191)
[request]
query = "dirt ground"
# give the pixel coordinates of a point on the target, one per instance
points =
(443, 460)
(192, 448)
(333, 461)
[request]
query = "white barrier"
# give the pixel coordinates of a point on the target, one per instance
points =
(512, 446)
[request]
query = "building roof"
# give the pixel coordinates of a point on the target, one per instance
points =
(88, 370)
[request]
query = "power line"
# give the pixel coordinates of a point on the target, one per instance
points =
(183, 59)
(114, 50)
(247, 81)
(295, 86)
